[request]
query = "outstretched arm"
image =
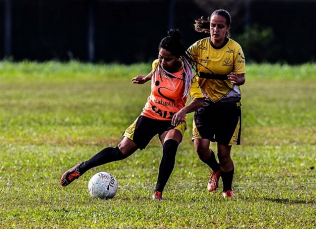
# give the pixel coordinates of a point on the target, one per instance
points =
(141, 79)
(180, 115)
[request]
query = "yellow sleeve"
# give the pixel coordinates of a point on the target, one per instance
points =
(195, 90)
(192, 51)
(155, 64)
(239, 62)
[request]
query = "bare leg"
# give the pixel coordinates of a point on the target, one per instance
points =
(127, 146)
(226, 165)
(206, 154)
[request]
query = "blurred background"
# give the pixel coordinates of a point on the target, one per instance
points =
(129, 31)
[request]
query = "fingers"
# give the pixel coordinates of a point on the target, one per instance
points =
(177, 119)
(139, 79)
(176, 123)
(136, 80)
(233, 77)
(174, 120)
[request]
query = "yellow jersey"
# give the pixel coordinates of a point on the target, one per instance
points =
(219, 62)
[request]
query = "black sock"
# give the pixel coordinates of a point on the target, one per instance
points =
(167, 163)
(212, 162)
(106, 155)
(227, 178)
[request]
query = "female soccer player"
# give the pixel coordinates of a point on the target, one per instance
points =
(221, 68)
(164, 113)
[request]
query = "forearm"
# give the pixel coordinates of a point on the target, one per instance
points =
(140, 79)
(148, 77)
(180, 115)
(240, 79)
(193, 106)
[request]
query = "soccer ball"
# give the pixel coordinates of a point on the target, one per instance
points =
(102, 185)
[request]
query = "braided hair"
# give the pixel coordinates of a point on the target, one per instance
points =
(173, 44)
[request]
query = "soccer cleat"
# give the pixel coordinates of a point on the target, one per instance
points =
(70, 175)
(157, 196)
(213, 182)
(228, 194)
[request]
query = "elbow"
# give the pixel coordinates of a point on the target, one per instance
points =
(200, 102)
(242, 80)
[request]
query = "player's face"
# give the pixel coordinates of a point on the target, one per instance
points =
(218, 29)
(168, 61)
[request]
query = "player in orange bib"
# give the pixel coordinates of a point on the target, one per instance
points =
(164, 113)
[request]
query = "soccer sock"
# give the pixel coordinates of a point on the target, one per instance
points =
(106, 155)
(167, 163)
(227, 178)
(212, 162)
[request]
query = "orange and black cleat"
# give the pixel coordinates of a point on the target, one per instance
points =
(70, 175)
(213, 182)
(228, 194)
(157, 196)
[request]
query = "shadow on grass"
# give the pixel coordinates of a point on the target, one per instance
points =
(289, 201)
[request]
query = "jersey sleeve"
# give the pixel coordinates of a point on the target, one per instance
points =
(239, 61)
(155, 64)
(195, 90)
(193, 51)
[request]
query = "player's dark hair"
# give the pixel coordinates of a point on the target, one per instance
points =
(173, 44)
(202, 25)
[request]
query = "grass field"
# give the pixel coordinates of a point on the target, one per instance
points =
(54, 115)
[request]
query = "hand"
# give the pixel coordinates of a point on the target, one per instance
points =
(139, 79)
(236, 79)
(233, 77)
(178, 117)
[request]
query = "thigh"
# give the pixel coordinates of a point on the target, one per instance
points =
(175, 133)
(142, 131)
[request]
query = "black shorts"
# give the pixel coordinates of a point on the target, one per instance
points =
(217, 122)
(144, 129)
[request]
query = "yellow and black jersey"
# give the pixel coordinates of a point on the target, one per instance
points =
(217, 63)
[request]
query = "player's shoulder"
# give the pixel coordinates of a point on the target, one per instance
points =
(201, 42)
(234, 43)
(155, 64)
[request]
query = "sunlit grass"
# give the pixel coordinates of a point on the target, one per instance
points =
(54, 115)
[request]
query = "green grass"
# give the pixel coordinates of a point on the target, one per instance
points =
(54, 115)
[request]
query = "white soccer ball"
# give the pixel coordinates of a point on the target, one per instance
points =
(102, 185)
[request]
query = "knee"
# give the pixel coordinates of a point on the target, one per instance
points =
(127, 147)
(223, 152)
(224, 157)
(202, 151)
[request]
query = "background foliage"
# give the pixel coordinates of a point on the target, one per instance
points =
(129, 31)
